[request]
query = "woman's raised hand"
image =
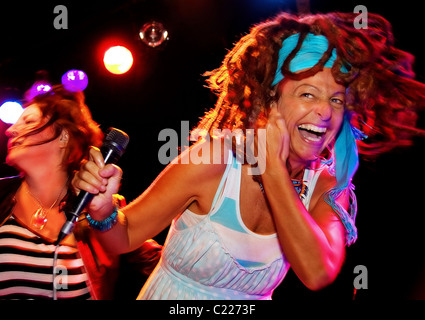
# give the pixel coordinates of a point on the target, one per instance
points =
(99, 179)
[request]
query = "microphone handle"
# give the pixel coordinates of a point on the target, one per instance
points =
(112, 149)
(81, 202)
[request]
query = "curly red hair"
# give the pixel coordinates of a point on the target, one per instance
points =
(380, 86)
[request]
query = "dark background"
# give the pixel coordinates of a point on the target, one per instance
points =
(165, 86)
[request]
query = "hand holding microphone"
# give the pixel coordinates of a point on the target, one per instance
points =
(97, 180)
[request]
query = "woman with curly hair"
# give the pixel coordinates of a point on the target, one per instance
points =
(314, 85)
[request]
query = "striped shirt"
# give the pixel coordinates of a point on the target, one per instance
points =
(26, 267)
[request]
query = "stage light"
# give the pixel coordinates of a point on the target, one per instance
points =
(75, 80)
(39, 87)
(10, 111)
(118, 60)
(153, 34)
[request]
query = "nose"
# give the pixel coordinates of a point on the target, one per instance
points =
(11, 131)
(324, 110)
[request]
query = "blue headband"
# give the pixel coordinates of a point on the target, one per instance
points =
(345, 149)
(311, 51)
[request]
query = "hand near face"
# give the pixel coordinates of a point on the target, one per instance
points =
(277, 136)
(273, 146)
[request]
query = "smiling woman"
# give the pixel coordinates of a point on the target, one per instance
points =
(313, 110)
(307, 82)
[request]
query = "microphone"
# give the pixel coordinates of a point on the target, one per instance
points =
(112, 149)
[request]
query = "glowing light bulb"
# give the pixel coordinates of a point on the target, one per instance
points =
(10, 111)
(118, 60)
(39, 87)
(75, 80)
(153, 34)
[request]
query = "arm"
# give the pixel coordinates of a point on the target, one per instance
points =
(178, 187)
(313, 241)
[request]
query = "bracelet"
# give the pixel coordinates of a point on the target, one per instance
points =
(106, 224)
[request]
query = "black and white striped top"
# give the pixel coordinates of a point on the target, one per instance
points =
(26, 267)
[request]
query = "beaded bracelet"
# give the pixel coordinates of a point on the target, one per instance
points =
(106, 224)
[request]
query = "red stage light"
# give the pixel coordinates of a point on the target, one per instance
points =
(118, 60)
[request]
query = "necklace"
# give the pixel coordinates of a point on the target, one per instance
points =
(300, 187)
(39, 217)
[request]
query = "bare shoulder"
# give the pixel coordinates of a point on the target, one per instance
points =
(189, 181)
(198, 166)
(326, 182)
(209, 156)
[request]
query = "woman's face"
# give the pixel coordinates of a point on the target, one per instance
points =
(24, 151)
(313, 110)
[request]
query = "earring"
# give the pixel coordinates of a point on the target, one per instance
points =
(64, 138)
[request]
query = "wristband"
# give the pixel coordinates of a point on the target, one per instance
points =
(106, 224)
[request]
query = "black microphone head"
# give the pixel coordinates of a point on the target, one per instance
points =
(116, 140)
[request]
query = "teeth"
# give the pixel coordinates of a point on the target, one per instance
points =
(312, 127)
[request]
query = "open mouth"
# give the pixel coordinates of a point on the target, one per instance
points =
(311, 132)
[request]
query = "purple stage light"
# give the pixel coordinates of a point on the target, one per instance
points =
(37, 88)
(75, 80)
